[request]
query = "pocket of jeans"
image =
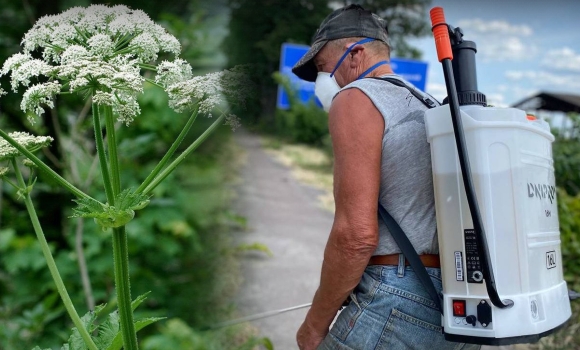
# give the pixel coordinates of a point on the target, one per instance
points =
(347, 319)
(404, 331)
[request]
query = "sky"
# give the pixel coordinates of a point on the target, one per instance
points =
(523, 47)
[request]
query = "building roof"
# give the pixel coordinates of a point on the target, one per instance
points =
(550, 101)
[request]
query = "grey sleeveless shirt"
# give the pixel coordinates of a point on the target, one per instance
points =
(406, 177)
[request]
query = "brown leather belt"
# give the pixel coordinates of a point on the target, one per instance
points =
(429, 260)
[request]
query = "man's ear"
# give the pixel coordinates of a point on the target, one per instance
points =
(356, 54)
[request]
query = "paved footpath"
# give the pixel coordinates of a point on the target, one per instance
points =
(284, 215)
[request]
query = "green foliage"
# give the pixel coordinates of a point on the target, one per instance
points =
(109, 216)
(566, 151)
(255, 38)
(305, 123)
(107, 334)
(568, 211)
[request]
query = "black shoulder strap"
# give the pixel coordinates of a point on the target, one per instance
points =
(411, 255)
(428, 102)
(396, 231)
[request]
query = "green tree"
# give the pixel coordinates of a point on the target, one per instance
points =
(257, 29)
(567, 156)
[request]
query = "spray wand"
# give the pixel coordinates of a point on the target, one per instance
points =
(445, 54)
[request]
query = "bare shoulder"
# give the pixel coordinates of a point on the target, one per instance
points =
(352, 112)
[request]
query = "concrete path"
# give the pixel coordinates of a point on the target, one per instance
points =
(284, 215)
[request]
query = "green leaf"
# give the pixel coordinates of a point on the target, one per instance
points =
(108, 216)
(253, 342)
(128, 199)
(108, 330)
(141, 298)
(75, 341)
(140, 324)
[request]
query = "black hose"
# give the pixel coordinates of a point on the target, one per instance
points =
(483, 251)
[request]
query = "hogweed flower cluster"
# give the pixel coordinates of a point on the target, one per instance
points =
(100, 51)
(30, 142)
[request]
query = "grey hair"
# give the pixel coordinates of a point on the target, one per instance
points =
(378, 47)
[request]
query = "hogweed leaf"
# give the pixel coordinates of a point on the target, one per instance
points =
(139, 324)
(140, 299)
(108, 330)
(108, 216)
(75, 341)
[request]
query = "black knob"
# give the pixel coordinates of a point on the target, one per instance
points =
(471, 319)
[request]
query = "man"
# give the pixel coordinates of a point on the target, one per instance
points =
(381, 153)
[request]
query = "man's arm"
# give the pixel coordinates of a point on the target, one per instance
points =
(356, 128)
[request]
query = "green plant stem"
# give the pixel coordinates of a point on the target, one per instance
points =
(120, 246)
(185, 153)
(51, 263)
(170, 152)
(101, 153)
(43, 167)
(112, 148)
(152, 82)
(123, 288)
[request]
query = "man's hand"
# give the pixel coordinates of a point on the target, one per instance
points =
(309, 338)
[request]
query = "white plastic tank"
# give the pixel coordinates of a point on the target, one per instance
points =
(512, 168)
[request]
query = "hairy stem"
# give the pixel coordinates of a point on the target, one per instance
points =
(102, 156)
(50, 261)
(170, 152)
(123, 288)
(43, 167)
(185, 153)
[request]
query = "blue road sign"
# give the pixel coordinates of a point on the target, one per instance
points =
(413, 71)
(291, 53)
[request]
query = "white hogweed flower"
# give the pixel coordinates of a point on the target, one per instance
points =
(210, 91)
(30, 142)
(38, 95)
(169, 73)
(3, 171)
(97, 51)
(233, 121)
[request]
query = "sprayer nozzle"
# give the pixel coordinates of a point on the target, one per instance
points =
(441, 34)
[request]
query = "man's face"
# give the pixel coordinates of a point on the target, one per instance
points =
(328, 57)
(326, 60)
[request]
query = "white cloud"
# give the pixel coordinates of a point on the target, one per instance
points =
(495, 27)
(546, 80)
(439, 91)
(496, 100)
(499, 40)
(565, 59)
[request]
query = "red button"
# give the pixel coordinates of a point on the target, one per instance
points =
(459, 308)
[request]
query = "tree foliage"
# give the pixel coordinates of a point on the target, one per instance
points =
(257, 29)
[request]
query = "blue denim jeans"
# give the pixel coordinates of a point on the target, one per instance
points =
(391, 310)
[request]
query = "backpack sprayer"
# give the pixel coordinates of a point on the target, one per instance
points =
(511, 178)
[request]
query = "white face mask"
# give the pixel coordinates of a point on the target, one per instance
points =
(325, 88)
